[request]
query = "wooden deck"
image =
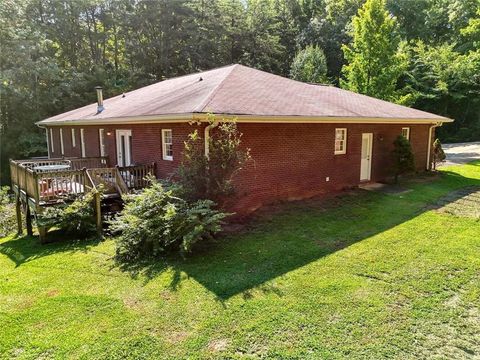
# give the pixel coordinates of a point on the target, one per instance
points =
(38, 183)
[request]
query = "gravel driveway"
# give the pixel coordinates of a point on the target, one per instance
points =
(461, 153)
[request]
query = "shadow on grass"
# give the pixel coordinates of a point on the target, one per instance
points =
(26, 248)
(280, 239)
(289, 236)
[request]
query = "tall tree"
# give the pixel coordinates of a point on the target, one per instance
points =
(327, 25)
(374, 63)
(447, 83)
(310, 66)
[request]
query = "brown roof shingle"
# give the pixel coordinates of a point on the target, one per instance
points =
(240, 90)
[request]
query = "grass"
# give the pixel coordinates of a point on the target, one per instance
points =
(363, 275)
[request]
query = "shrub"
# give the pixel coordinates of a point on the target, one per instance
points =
(211, 177)
(403, 159)
(8, 220)
(438, 154)
(75, 218)
(157, 220)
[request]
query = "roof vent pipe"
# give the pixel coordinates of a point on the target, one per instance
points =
(100, 107)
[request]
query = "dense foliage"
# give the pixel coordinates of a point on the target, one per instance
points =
(310, 65)
(8, 221)
(76, 218)
(403, 158)
(53, 52)
(158, 220)
(211, 176)
(374, 64)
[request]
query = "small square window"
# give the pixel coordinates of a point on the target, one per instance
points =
(406, 133)
(167, 144)
(340, 141)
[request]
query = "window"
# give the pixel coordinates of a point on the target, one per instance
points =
(51, 140)
(101, 141)
(167, 144)
(82, 141)
(406, 133)
(74, 141)
(340, 141)
(62, 150)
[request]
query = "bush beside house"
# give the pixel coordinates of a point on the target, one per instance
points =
(157, 221)
(403, 158)
(175, 215)
(438, 155)
(74, 218)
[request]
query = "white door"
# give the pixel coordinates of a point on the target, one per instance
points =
(366, 162)
(124, 147)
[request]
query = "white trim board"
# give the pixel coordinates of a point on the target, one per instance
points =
(194, 117)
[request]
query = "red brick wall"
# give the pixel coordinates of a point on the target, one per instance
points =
(289, 161)
(146, 143)
(292, 161)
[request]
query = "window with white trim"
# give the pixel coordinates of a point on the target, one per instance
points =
(101, 141)
(51, 140)
(74, 141)
(82, 141)
(62, 149)
(406, 133)
(167, 144)
(340, 141)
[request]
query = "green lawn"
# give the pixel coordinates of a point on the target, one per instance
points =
(363, 275)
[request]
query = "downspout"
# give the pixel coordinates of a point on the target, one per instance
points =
(429, 150)
(48, 138)
(212, 125)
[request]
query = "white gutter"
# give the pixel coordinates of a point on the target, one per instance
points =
(198, 117)
(429, 150)
(207, 136)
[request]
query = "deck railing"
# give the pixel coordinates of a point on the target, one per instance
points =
(48, 186)
(41, 182)
(89, 162)
(136, 176)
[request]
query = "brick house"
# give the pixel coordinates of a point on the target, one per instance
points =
(304, 139)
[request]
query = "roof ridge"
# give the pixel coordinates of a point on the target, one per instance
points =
(210, 96)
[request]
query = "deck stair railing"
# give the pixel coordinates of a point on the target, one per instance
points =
(110, 179)
(136, 176)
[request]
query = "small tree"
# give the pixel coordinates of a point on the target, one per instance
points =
(210, 177)
(403, 159)
(310, 65)
(438, 155)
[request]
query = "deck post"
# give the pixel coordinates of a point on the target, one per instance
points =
(42, 234)
(18, 210)
(98, 212)
(28, 220)
(42, 230)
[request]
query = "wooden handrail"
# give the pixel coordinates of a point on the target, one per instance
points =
(135, 176)
(122, 186)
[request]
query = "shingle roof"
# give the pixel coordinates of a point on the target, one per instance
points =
(240, 90)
